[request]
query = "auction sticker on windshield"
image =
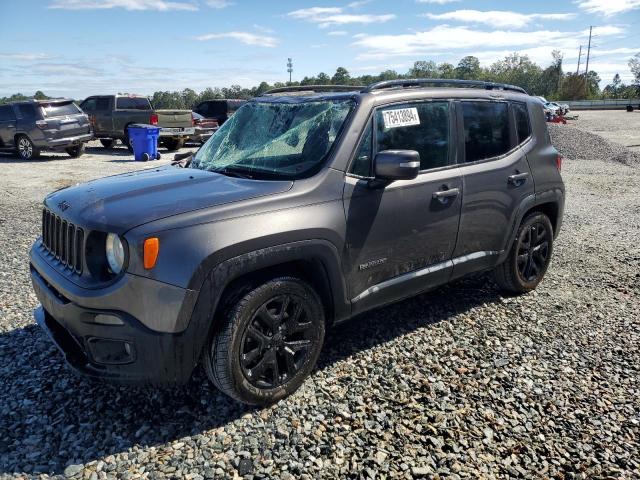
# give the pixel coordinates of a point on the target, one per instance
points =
(402, 117)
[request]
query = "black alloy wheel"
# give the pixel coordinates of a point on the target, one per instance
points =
(529, 256)
(277, 342)
(533, 251)
(269, 341)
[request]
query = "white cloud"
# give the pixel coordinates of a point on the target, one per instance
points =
(498, 18)
(358, 3)
(219, 4)
(24, 57)
(337, 33)
(437, 2)
(331, 16)
(159, 5)
(608, 7)
(243, 37)
(447, 38)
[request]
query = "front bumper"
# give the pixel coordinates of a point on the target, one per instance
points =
(105, 340)
(60, 143)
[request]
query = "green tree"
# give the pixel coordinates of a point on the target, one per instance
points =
(615, 88)
(593, 84)
(573, 87)
(424, 69)
(634, 65)
(468, 68)
(446, 70)
(341, 77)
(39, 95)
(323, 79)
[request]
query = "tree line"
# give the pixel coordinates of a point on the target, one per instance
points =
(551, 82)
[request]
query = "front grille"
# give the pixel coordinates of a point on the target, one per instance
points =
(63, 240)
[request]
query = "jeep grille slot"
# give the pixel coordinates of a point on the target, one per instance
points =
(63, 240)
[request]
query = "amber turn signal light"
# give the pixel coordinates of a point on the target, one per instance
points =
(151, 249)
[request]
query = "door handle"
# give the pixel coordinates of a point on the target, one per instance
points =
(444, 195)
(518, 178)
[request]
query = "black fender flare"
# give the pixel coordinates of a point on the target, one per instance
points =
(528, 203)
(222, 273)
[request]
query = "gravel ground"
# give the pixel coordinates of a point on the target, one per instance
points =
(457, 383)
(617, 126)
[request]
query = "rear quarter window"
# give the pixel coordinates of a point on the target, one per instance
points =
(523, 127)
(133, 103)
(27, 112)
(486, 130)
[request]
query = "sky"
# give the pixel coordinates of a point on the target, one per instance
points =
(76, 48)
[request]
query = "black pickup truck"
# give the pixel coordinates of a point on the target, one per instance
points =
(111, 115)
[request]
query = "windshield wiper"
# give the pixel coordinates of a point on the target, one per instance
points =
(232, 172)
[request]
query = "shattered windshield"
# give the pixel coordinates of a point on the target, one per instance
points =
(273, 140)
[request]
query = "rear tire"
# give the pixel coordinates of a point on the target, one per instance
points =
(26, 148)
(529, 256)
(75, 152)
(269, 344)
(173, 144)
(107, 142)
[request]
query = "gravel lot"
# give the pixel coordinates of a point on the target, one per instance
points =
(617, 126)
(458, 383)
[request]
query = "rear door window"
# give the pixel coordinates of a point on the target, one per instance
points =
(60, 109)
(423, 127)
(6, 113)
(133, 103)
(522, 121)
(486, 130)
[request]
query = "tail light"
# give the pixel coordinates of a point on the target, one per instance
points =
(42, 124)
(153, 119)
(559, 162)
(193, 120)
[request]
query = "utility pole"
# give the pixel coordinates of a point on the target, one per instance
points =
(289, 68)
(579, 57)
(586, 72)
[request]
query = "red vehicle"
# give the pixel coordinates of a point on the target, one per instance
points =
(204, 128)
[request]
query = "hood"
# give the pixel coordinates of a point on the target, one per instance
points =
(122, 202)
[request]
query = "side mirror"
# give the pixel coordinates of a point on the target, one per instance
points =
(393, 165)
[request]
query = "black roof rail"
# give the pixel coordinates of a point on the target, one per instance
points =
(316, 88)
(417, 82)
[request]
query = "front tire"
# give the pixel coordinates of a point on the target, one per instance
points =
(75, 152)
(529, 256)
(269, 344)
(26, 148)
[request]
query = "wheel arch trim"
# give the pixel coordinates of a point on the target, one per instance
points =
(222, 274)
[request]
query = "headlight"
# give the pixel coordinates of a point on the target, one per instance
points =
(115, 253)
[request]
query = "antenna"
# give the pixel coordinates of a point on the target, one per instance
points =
(289, 68)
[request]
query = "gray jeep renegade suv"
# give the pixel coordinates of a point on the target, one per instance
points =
(307, 207)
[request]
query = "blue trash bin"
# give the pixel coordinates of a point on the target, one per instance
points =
(144, 140)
